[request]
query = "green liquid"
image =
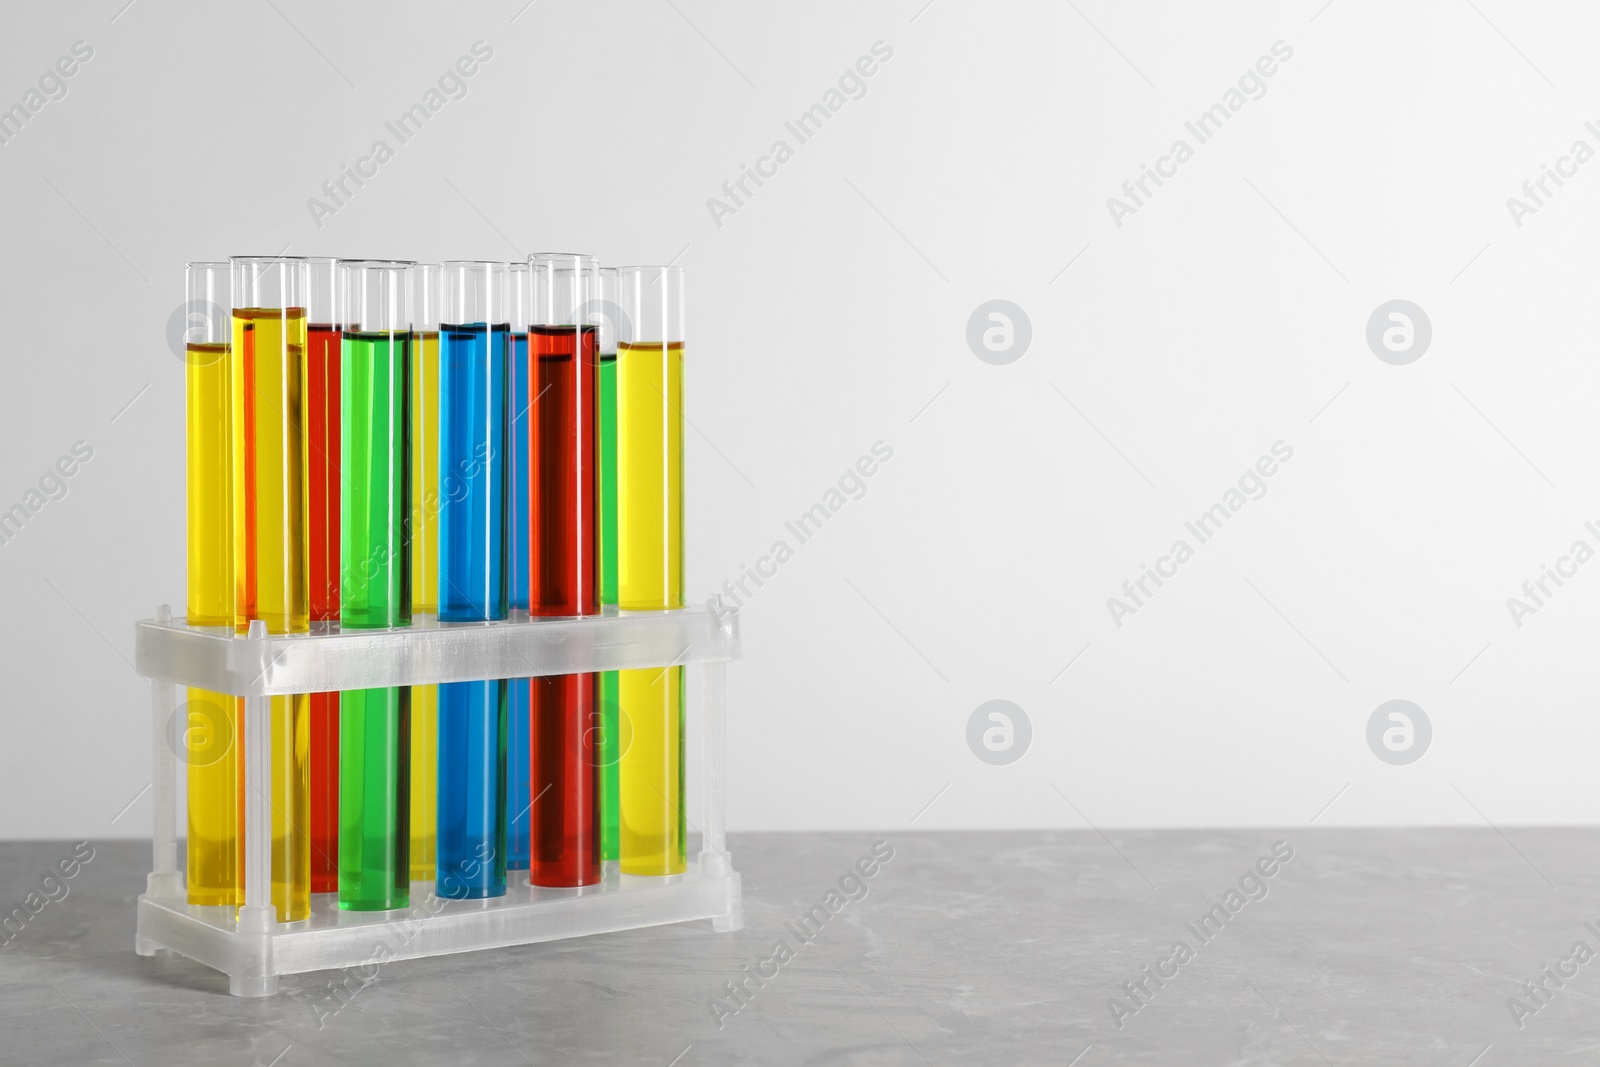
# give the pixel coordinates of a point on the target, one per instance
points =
(375, 592)
(375, 799)
(608, 753)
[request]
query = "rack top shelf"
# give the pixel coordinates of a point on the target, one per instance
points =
(428, 652)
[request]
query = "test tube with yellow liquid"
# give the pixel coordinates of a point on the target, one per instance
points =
(270, 535)
(649, 479)
(211, 720)
(425, 281)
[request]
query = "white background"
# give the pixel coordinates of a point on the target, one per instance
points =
(830, 312)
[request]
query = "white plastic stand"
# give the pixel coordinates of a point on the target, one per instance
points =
(253, 948)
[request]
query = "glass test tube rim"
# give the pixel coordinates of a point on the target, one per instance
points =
(488, 292)
(556, 257)
(608, 294)
(293, 276)
(425, 280)
(350, 270)
(544, 267)
(334, 297)
(201, 268)
(519, 297)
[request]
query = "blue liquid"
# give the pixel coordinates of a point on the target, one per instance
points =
(473, 474)
(471, 851)
(521, 478)
(518, 795)
(517, 564)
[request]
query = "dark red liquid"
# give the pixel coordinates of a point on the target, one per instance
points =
(563, 579)
(324, 792)
(563, 460)
(322, 463)
(564, 821)
(322, 564)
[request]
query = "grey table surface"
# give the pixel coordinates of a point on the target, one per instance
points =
(1365, 947)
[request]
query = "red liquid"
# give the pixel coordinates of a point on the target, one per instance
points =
(564, 822)
(322, 563)
(563, 526)
(563, 579)
(322, 462)
(324, 792)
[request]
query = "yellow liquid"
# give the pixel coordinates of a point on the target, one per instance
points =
(269, 469)
(268, 361)
(210, 720)
(650, 476)
(650, 578)
(424, 779)
(210, 746)
(210, 480)
(291, 807)
(424, 596)
(651, 836)
(425, 476)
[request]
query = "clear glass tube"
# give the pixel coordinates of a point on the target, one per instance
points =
(375, 586)
(426, 281)
(650, 562)
(564, 573)
(518, 716)
(322, 556)
(322, 432)
(473, 436)
(268, 358)
(211, 720)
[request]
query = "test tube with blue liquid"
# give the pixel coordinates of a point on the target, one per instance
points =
(473, 467)
(519, 796)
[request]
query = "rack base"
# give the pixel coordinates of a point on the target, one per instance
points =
(254, 950)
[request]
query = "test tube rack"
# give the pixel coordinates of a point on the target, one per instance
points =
(254, 949)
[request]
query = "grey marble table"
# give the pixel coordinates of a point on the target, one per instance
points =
(1148, 947)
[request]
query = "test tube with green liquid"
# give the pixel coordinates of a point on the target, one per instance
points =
(375, 583)
(609, 320)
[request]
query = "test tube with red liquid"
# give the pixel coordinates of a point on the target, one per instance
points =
(564, 573)
(323, 339)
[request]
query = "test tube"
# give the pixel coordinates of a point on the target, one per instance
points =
(606, 314)
(375, 586)
(211, 726)
(427, 290)
(322, 558)
(471, 847)
(650, 561)
(564, 572)
(268, 359)
(518, 796)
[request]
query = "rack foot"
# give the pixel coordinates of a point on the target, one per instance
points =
(729, 923)
(246, 986)
(143, 946)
